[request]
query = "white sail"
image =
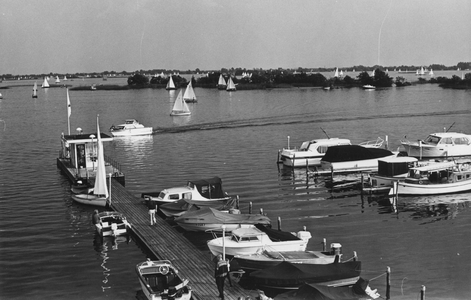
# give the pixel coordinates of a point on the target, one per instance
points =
(230, 85)
(373, 73)
(189, 94)
(45, 83)
(341, 73)
(221, 81)
(180, 107)
(336, 74)
(58, 80)
(430, 73)
(170, 84)
(100, 176)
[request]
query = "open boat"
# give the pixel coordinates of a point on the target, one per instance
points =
(170, 84)
(244, 241)
(100, 195)
(267, 258)
(230, 85)
(439, 145)
(189, 95)
(180, 207)
(129, 128)
(287, 275)
(203, 192)
(208, 218)
(180, 108)
(436, 179)
(358, 291)
(35, 90)
(160, 280)
(353, 158)
(114, 223)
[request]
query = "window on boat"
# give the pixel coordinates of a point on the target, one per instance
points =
(322, 149)
(447, 141)
(235, 238)
(249, 238)
(432, 139)
(162, 195)
(205, 191)
(186, 196)
(461, 141)
(174, 196)
(304, 146)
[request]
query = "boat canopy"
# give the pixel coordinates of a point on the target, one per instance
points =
(322, 292)
(396, 165)
(435, 167)
(209, 215)
(353, 152)
(209, 188)
(277, 235)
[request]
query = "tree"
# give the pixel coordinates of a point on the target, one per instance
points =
(138, 80)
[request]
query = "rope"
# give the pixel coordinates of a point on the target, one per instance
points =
(374, 278)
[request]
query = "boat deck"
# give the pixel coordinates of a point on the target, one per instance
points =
(165, 242)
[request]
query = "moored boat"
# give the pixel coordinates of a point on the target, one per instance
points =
(113, 223)
(130, 127)
(436, 179)
(287, 275)
(244, 241)
(160, 280)
(210, 219)
(439, 145)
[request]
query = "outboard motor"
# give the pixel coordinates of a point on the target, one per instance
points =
(304, 235)
(336, 248)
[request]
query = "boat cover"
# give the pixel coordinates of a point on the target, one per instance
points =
(209, 215)
(287, 274)
(322, 292)
(209, 188)
(353, 152)
(277, 235)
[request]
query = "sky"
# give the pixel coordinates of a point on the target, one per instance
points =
(75, 36)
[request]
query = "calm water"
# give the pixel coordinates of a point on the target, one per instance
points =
(48, 247)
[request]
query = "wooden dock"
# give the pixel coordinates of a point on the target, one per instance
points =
(165, 242)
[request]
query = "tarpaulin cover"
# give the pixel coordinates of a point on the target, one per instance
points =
(277, 235)
(353, 152)
(210, 188)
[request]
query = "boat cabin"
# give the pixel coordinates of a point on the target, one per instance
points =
(433, 173)
(394, 166)
(81, 149)
(321, 145)
(447, 138)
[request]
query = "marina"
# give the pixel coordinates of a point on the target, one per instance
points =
(245, 159)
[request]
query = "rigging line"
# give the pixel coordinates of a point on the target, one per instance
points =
(380, 28)
(374, 278)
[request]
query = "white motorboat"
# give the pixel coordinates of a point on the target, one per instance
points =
(369, 87)
(244, 241)
(114, 223)
(435, 179)
(203, 192)
(310, 153)
(353, 158)
(439, 145)
(160, 280)
(131, 127)
(210, 219)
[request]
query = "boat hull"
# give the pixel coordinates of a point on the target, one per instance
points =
(232, 249)
(211, 227)
(132, 132)
(404, 188)
(180, 113)
(353, 166)
(430, 151)
(90, 199)
(292, 159)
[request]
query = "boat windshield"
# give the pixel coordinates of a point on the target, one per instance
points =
(162, 195)
(304, 146)
(431, 139)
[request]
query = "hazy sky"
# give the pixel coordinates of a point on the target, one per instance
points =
(69, 36)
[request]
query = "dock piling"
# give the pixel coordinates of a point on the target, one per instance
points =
(388, 283)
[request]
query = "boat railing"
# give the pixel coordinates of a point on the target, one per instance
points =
(116, 165)
(373, 143)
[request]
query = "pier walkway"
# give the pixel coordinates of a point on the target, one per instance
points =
(165, 242)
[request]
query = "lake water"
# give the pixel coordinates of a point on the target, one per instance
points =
(48, 248)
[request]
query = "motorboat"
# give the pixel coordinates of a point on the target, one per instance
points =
(266, 258)
(243, 241)
(160, 280)
(180, 207)
(358, 291)
(439, 145)
(203, 192)
(368, 87)
(210, 219)
(353, 158)
(287, 275)
(389, 170)
(113, 223)
(130, 127)
(435, 179)
(310, 152)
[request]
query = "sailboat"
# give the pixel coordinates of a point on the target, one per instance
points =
(341, 73)
(35, 90)
(100, 195)
(170, 84)
(373, 73)
(45, 83)
(58, 80)
(180, 108)
(65, 78)
(221, 83)
(230, 85)
(336, 74)
(431, 73)
(189, 95)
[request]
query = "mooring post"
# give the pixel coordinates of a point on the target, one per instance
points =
(261, 211)
(324, 245)
(237, 202)
(388, 283)
(279, 223)
(250, 207)
(422, 293)
(355, 256)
